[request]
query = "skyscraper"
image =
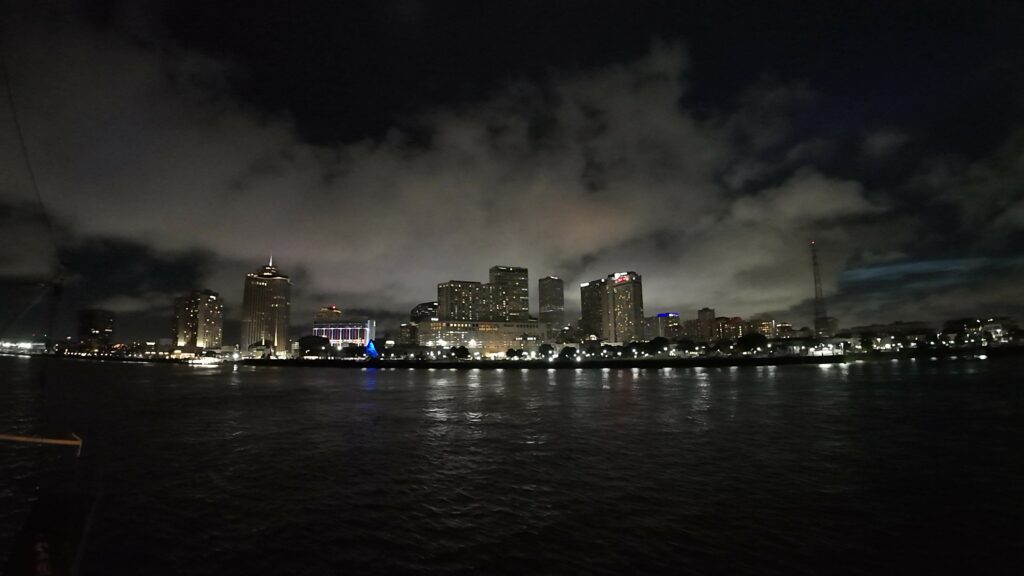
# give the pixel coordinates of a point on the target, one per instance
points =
(706, 324)
(510, 294)
(624, 307)
(266, 310)
(199, 321)
(613, 307)
(459, 300)
(592, 303)
(552, 301)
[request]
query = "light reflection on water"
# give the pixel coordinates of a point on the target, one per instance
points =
(718, 470)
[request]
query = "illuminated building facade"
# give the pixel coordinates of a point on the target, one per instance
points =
(613, 308)
(266, 310)
(328, 323)
(726, 328)
(489, 339)
(624, 307)
(509, 294)
(199, 321)
(664, 325)
(764, 326)
(461, 300)
(96, 327)
(552, 301)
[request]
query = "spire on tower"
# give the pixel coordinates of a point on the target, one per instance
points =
(272, 258)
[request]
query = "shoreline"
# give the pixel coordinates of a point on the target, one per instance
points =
(703, 362)
(591, 363)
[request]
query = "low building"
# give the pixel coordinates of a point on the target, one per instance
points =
(488, 339)
(329, 324)
(407, 334)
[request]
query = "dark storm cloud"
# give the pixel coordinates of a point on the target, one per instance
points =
(193, 164)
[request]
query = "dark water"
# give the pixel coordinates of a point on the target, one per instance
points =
(909, 466)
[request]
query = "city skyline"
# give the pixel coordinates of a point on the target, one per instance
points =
(704, 157)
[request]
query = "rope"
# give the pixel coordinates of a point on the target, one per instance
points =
(24, 148)
(41, 440)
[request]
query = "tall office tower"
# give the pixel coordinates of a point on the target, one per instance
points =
(266, 310)
(552, 300)
(592, 303)
(706, 324)
(96, 327)
(199, 321)
(424, 312)
(459, 300)
(624, 307)
(510, 294)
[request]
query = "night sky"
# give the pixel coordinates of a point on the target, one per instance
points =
(377, 149)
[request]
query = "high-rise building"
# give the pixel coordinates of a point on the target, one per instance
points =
(509, 294)
(459, 300)
(424, 312)
(199, 321)
(266, 310)
(706, 324)
(96, 327)
(592, 303)
(328, 323)
(663, 325)
(624, 307)
(552, 301)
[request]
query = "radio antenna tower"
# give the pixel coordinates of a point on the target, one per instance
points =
(821, 326)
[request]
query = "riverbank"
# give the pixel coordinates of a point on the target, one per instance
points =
(557, 363)
(596, 363)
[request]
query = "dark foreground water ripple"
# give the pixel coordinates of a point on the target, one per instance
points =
(910, 466)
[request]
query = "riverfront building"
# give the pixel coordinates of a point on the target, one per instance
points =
(552, 301)
(199, 321)
(266, 310)
(461, 300)
(328, 323)
(624, 311)
(509, 288)
(488, 339)
(613, 308)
